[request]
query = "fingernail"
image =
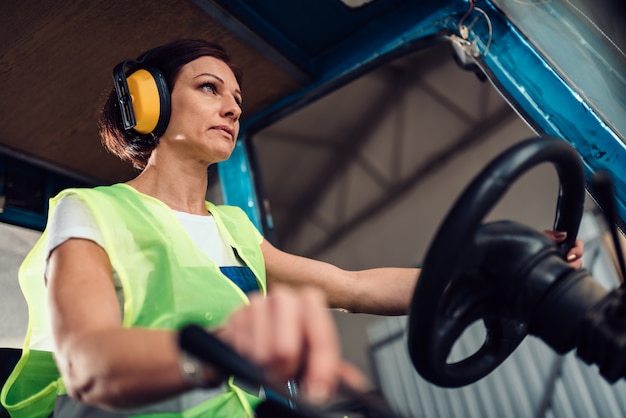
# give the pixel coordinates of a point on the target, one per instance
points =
(317, 393)
(560, 234)
(572, 257)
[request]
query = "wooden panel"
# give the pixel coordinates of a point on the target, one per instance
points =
(56, 60)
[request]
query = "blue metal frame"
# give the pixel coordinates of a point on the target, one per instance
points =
(549, 103)
(236, 180)
(310, 32)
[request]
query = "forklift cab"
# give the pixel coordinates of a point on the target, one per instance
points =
(560, 65)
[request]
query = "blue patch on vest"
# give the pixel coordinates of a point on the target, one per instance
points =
(242, 277)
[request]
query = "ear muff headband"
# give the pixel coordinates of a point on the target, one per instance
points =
(143, 99)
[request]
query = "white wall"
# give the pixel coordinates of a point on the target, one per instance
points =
(15, 242)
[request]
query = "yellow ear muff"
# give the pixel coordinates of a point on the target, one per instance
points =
(143, 99)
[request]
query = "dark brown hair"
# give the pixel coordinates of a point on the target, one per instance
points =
(169, 59)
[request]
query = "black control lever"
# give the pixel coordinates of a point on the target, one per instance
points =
(206, 347)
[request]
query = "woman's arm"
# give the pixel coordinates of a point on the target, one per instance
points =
(382, 291)
(102, 363)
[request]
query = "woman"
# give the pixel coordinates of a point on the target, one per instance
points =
(129, 264)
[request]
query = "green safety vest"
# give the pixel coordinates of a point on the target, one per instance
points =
(166, 281)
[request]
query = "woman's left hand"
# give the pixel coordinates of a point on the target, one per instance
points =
(575, 254)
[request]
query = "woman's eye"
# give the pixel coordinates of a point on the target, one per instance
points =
(210, 87)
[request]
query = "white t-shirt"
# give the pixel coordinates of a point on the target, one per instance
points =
(73, 219)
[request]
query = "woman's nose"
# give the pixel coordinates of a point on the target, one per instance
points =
(232, 108)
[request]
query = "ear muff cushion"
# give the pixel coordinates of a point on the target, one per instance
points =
(150, 100)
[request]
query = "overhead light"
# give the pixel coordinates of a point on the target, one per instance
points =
(355, 3)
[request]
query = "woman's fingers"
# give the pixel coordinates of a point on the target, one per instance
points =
(354, 378)
(292, 335)
(557, 236)
(323, 358)
(287, 345)
(575, 255)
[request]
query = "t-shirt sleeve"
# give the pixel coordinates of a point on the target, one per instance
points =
(71, 218)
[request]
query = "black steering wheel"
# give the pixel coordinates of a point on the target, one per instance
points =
(451, 295)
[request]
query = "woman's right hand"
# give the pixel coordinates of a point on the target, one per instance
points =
(291, 335)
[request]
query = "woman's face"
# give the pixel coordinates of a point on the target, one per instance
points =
(206, 106)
